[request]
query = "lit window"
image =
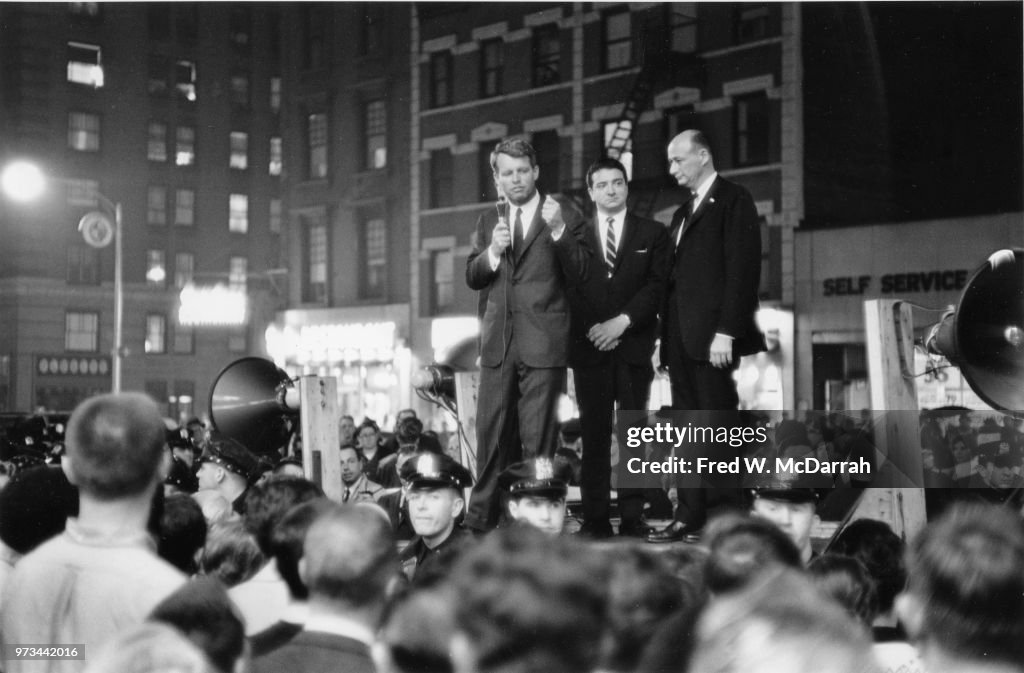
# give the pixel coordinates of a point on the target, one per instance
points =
(185, 79)
(84, 64)
(275, 94)
(317, 140)
(275, 215)
(185, 146)
(443, 272)
(374, 258)
(156, 268)
(184, 207)
(184, 268)
(84, 131)
(156, 333)
(238, 215)
(156, 209)
(276, 156)
(238, 271)
(81, 332)
(156, 147)
(314, 289)
(240, 90)
(83, 193)
(86, 9)
(239, 150)
(376, 135)
(618, 42)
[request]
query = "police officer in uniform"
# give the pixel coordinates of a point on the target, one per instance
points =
(437, 502)
(536, 490)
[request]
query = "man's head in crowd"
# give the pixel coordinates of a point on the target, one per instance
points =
(780, 622)
(367, 437)
(847, 580)
(349, 559)
(267, 503)
(536, 491)
(793, 510)
(346, 430)
(528, 602)
(964, 601)
(203, 612)
(226, 466)
(182, 533)
(514, 163)
(287, 539)
(999, 469)
(881, 550)
(115, 446)
(416, 631)
(742, 548)
(352, 462)
(436, 496)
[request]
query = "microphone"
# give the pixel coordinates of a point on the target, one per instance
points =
(502, 207)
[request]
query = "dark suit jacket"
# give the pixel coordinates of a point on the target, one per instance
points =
(636, 288)
(316, 652)
(715, 273)
(527, 300)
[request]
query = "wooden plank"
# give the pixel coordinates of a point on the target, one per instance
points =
(319, 423)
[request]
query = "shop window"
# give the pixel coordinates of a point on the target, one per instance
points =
(81, 331)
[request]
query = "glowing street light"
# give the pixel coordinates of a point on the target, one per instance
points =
(24, 181)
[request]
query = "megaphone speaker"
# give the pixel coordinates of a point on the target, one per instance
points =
(250, 401)
(984, 336)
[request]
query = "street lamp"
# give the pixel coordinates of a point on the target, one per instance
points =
(25, 181)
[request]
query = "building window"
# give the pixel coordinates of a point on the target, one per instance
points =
(156, 333)
(488, 190)
(184, 340)
(441, 179)
(156, 146)
(84, 131)
(240, 90)
(88, 10)
(682, 27)
(156, 205)
(317, 142)
(156, 268)
(618, 40)
(492, 61)
(238, 272)
(275, 216)
(752, 22)
(752, 127)
(84, 193)
(184, 207)
(273, 18)
(443, 276)
(372, 35)
(275, 94)
(83, 265)
(315, 286)
(185, 80)
(374, 255)
(186, 19)
(158, 20)
(85, 65)
(547, 55)
(157, 75)
(441, 79)
(183, 400)
(240, 26)
(276, 156)
(238, 213)
(314, 26)
(81, 331)
(549, 156)
(239, 150)
(184, 146)
(375, 122)
(184, 268)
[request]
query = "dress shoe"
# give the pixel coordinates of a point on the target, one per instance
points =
(596, 532)
(676, 531)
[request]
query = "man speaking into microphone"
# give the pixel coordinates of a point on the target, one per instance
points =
(525, 253)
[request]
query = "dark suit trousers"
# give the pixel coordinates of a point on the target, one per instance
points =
(698, 385)
(516, 418)
(598, 388)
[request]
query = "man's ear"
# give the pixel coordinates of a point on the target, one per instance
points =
(458, 504)
(303, 570)
(910, 611)
(513, 509)
(219, 474)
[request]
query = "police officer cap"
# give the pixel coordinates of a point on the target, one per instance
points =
(230, 455)
(788, 490)
(427, 468)
(537, 476)
(182, 477)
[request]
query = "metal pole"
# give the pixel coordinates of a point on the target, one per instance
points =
(118, 302)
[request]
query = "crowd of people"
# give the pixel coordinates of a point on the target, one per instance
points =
(107, 555)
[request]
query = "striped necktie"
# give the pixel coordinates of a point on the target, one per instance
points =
(609, 246)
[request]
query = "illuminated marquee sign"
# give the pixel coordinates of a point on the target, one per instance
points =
(215, 306)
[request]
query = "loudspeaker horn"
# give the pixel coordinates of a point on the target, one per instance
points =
(251, 401)
(984, 335)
